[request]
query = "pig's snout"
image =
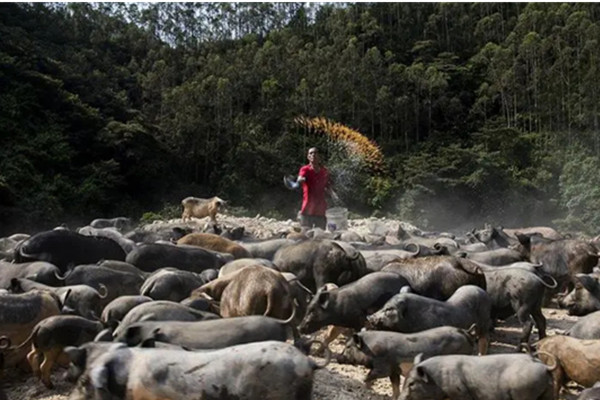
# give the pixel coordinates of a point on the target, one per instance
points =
(372, 321)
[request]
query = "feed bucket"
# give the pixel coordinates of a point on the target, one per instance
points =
(337, 218)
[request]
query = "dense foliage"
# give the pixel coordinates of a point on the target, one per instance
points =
(483, 111)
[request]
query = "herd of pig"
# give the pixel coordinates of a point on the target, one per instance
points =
(216, 313)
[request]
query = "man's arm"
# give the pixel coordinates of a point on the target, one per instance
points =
(301, 175)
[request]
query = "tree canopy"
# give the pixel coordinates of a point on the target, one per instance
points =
(482, 111)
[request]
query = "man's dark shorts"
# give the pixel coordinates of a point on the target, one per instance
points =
(311, 221)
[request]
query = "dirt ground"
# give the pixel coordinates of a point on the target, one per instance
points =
(336, 381)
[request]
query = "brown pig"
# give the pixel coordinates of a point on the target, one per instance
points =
(213, 242)
(252, 290)
(578, 360)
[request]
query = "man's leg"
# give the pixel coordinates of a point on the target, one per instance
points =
(312, 221)
(320, 221)
(305, 222)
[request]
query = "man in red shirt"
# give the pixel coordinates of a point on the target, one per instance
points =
(315, 181)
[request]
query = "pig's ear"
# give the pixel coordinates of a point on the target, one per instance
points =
(323, 300)
(401, 307)
(15, 285)
(148, 343)
(358, 340)
(65, 297)
(472, 330)
(76, 355)
(523, 239)
(155, 333)
(148, 317)
(422, 374)
(132, 333)
(589, 283)
(418, 359)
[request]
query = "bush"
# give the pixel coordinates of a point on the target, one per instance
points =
(149, 217)
(579, 185)
(169, 211)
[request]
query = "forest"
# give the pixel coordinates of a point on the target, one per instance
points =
(482, 112)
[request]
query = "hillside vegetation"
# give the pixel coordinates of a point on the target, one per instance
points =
(483, 112)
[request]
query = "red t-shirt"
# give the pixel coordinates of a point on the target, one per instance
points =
(313, 190)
